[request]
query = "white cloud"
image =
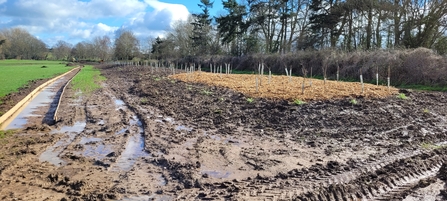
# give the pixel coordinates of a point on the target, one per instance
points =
(76, 20)
(154, 23)
(176, 11)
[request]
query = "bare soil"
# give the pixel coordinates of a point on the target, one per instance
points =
(147, 136)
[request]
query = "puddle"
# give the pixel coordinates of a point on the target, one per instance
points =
(97, 152)
(85, 140)
(217, 174)
(161, 180)
(52, 153)
(119, 104)
(133, 150)
(147, 197)
(122, 131)
(183, 128)
(168, 119)
(215, 137)
(43, 98)
(76, 128)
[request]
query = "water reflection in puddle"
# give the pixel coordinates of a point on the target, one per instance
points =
(43, 98)
(87, 140)
(133, 150)
(51, 154)
(152, 197)
(76, 128)
(97, 152)
(122, 131)
(161, 180)
(216, 174)
(181, 127)
(119, 103)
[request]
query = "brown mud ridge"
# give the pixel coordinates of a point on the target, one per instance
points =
(145, 136)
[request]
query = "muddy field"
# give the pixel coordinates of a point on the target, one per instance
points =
(145, 136)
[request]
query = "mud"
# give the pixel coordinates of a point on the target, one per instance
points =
(145, 136)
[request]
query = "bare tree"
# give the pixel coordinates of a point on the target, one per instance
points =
(102, 46)
(20, 44)
(62, 50)
(181, 35)
(126, 45)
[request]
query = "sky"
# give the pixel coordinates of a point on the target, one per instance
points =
(75, 21)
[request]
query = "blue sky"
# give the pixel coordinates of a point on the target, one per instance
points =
(81, 20)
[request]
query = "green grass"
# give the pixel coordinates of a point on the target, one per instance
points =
(424, 87)
(250, 100)
(353, 101)
(206, 92)
(18, 73)
(402, 96)
(426, 145)
(299, 102)
(4, 134)
(144, 101)
(87, 80)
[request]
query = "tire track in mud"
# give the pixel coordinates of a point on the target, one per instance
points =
(399, 124)
(361, 182)
(377, 181)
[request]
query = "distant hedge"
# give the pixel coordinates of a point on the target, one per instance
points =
(419, 66)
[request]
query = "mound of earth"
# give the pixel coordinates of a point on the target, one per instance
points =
(288, 88)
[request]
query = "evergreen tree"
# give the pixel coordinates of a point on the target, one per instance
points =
(202, 28)
(232, 26)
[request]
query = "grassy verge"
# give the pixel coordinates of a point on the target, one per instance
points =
(424, 87)
(87, 80)
(18, 73)
(6, 133)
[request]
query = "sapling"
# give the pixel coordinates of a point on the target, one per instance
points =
(290, 74)
(377, 75)
(338, 71)
(325, 65)
(152, 68)
(310, 81)
(361, 79)
(304, 78)
(262, 69)
(388, 78)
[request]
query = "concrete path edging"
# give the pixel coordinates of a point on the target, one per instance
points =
(10, 113)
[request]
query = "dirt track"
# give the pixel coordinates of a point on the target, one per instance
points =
(145, 136)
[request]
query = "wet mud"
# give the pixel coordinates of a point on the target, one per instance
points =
(144, 136)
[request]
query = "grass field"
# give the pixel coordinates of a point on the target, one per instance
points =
(87, 80)
(17, 73)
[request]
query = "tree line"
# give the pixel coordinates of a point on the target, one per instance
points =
(249, 27)
(284, 26)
